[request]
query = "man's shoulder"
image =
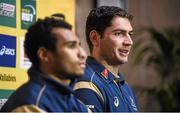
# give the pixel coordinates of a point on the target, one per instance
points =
(24, 95)
(89, 75)
(28, 91)
(90, 80)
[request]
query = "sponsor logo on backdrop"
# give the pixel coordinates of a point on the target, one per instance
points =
(7, 77)
(7, 10)
(28, 13)
(2, 102)
(24, 60)
(8, 13)
(7, 51)
(4, 95)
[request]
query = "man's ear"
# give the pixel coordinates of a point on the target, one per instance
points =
(95, 38)
(42, 53)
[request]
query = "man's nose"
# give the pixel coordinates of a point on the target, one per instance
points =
(82, 54)
(128, 41)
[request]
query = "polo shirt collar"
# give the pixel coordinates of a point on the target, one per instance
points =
(36, 75)
(102, 71)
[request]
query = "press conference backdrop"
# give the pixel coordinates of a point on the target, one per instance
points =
(15, 17)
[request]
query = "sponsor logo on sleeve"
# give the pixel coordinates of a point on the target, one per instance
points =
(105, 73)
(133, 104)
(7, 51)
(90, 106)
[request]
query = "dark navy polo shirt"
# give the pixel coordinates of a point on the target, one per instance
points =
(102, 92)
(45, 93)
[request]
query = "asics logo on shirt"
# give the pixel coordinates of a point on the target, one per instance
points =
(116, 101)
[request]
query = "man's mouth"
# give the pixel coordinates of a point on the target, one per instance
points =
(82, 65)
(124, 52)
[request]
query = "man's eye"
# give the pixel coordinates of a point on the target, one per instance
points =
(118, 34)
(71, 45)
(130, 33)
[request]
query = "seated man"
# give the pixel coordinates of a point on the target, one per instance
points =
(57, 60)
(103, 89)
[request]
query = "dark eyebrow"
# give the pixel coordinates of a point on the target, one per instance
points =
(73, 42)
(70, 42)
(122, 30)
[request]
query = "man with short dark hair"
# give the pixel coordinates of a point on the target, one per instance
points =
(57, 60)
(103, 88)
